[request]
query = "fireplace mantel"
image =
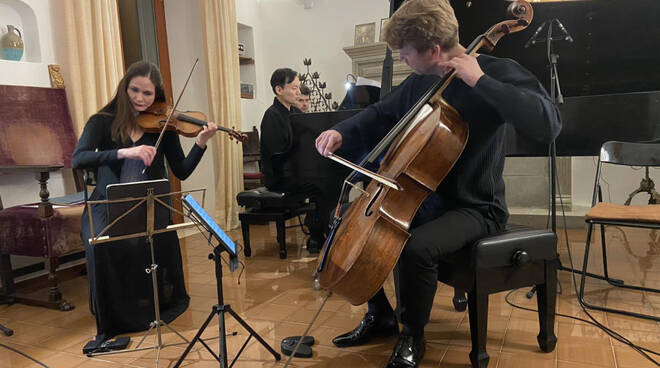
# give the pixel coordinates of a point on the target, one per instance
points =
(368, 62)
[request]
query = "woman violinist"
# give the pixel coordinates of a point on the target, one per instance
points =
(469, 203)
(115, 147)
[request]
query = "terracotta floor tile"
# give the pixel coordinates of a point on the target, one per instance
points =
(526, 360)
(275, 297)
(575, 350)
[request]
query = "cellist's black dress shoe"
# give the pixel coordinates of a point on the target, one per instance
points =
(370, 326)
(408, 352)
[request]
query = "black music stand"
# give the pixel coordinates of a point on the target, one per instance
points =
(128, 205)
(197, 214)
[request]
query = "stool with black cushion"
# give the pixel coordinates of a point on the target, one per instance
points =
(518, 257)
(263, 206)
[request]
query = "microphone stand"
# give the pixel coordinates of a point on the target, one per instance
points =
(558, 99)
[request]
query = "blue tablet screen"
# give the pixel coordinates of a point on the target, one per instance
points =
(210, 223)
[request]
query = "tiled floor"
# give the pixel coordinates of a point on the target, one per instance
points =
(276, 298)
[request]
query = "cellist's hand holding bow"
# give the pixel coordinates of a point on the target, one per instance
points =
(467, 68)
(328, 142)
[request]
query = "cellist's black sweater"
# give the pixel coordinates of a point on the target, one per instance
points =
(506, 93)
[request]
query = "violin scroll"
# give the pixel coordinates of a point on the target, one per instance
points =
(235, 134)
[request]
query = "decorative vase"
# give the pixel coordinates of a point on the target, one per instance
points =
(12, 44)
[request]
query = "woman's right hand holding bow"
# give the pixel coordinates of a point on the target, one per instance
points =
(143, 152)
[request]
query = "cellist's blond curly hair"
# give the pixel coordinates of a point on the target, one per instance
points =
(422, 24)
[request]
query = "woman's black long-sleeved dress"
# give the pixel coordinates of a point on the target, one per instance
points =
(121, 292)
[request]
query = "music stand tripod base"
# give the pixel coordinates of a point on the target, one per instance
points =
(220, 309)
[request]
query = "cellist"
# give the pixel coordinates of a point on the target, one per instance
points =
(469, 204)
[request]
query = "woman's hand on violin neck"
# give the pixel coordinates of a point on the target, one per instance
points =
(328, 142)
(467, 68)
(205, 134)
(143, 152)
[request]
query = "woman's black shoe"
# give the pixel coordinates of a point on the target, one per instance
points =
(408, 352)
(370, 326)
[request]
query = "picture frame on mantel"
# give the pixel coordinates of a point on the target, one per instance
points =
(365, 33)
(383, 22)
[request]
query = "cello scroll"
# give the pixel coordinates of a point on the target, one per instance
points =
(522, 14)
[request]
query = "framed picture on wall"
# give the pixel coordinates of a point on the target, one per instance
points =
(383, 22)
(365, 33)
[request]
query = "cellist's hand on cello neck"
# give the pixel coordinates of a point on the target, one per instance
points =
(328, 142)
(467, 68)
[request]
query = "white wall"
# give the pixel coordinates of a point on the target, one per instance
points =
(285, 33)
(617, 182)
(33, 18)
(248, 13)
(184, 35)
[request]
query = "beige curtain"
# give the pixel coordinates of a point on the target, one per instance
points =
(220, 39)
(89, 47)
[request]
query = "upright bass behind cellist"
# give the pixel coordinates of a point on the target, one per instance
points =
(469, 203)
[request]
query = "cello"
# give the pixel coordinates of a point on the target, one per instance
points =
(365, 242)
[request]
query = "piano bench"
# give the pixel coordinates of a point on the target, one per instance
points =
(263, 206)
(518, 257)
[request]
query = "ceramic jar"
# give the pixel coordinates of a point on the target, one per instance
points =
(12, 44)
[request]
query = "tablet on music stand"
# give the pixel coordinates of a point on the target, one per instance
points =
(210, 225)
(135, 221)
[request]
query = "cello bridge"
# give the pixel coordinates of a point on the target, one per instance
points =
(364, 192)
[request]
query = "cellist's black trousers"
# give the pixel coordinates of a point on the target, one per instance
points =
(435, 232)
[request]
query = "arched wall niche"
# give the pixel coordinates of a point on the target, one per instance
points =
(21, 15)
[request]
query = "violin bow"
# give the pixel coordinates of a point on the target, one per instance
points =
(171, 112)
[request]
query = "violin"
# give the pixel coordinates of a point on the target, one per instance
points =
(185, 123)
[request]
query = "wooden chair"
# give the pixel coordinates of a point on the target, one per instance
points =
(251, 155)
(37, 229)
(604, 213)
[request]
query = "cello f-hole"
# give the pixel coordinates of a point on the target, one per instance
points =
(368, 212)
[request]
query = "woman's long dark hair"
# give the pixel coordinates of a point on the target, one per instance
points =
(121, 107)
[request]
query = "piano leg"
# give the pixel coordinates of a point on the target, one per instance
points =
(245, 228)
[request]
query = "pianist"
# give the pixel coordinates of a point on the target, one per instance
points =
(276, 143)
